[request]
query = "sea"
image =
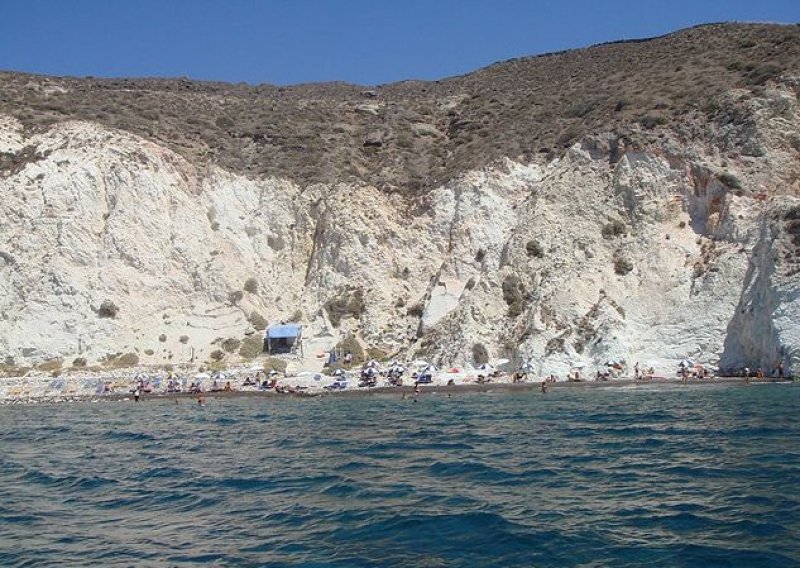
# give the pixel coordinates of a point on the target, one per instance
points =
(661, 475)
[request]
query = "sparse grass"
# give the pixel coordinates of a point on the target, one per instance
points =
(528, 103)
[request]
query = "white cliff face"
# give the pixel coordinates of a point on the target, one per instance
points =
(650, 253)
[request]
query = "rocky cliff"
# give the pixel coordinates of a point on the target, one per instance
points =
(671, 232)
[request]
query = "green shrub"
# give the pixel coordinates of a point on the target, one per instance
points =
(350, 344)
(534, 249)
(613, 229)
(480, 354)
(79, 362)
(121, 361)
(184, 339)
(416, 310)
(650, 121)
(622, 265)
(349, 303)
(513, 293)
(51, 365)
(217, 355)
(258, 321)
(108, 309)
(231, 344)
(251, 347)
(162, 338)
(729, 180)
(251, 285)
(377, 353)
(275, 364)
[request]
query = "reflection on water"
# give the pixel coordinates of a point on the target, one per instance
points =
(673, 476)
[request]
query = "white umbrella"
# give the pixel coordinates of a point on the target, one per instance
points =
(202, 376)
(499, 362)
(420, 363)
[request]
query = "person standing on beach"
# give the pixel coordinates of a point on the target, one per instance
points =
(544, 387)
(136, 394)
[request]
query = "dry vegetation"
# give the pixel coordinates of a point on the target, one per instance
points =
(411, 135)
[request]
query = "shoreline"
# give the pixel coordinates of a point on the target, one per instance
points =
(408, 390)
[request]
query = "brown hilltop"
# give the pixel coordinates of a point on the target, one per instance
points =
(413, 134)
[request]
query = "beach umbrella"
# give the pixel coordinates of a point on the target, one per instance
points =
(420, 363)
(499, 362)
(201, 376)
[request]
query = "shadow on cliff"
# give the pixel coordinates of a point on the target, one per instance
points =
(751, 339)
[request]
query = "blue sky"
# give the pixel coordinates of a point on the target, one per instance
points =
(359, 41)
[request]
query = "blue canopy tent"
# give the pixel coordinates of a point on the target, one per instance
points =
(284, 338)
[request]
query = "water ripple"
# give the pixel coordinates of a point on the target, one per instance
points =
(662, 476)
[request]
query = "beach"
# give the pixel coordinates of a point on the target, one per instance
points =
(92, 387)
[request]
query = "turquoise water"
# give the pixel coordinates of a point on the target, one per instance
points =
(670, 476)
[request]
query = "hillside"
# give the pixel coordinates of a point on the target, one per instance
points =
(634, 200)
(415, 135)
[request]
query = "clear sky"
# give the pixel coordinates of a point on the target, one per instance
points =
(359, 41)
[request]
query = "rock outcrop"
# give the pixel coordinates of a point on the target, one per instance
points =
(648, 244)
